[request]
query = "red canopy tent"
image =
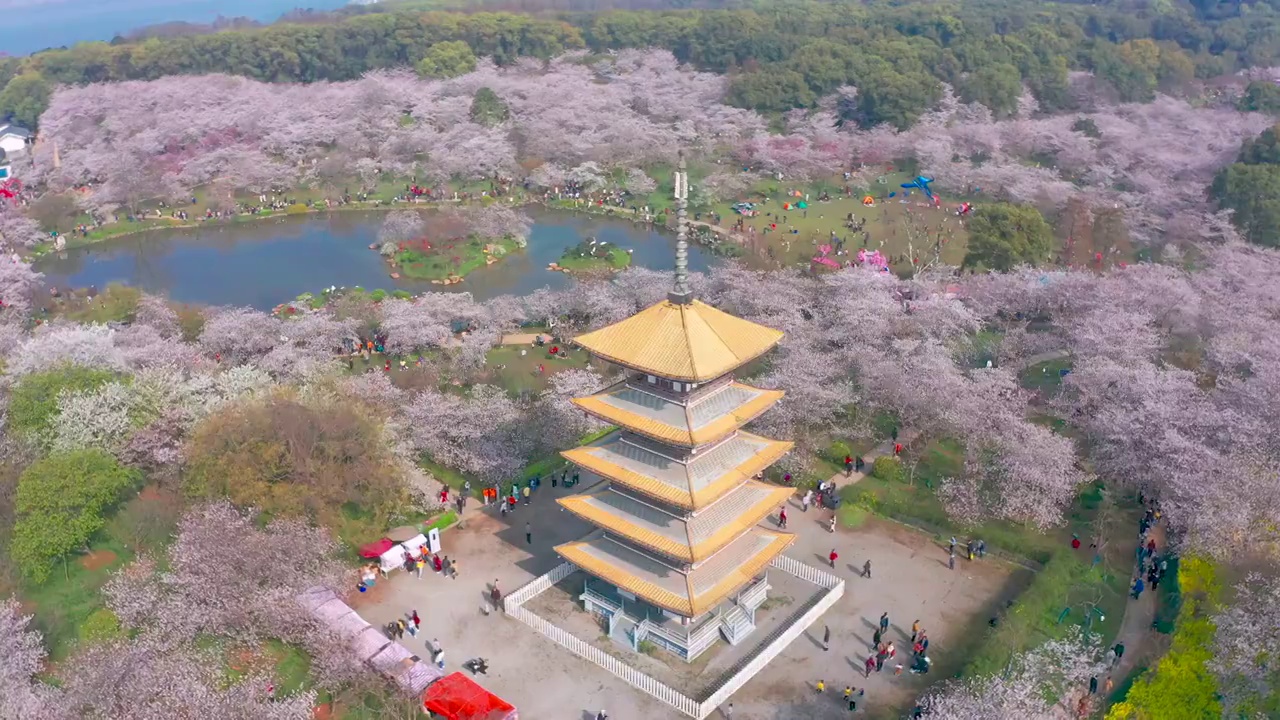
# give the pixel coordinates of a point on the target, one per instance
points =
(458, 697)
(374, 550)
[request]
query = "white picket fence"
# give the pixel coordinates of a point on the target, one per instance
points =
(808, 573)
(633, 677)
(771, 651)
(532, 589)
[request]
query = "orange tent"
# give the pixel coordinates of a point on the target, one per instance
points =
(868, 201)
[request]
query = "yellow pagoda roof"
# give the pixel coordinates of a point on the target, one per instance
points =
(702, 420)
(691, 539)
(687, 593)
(691, 342)
(693, 484)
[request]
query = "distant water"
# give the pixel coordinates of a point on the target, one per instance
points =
(31, 25)
(263, 264)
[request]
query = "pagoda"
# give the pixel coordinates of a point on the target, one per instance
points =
(678, 557)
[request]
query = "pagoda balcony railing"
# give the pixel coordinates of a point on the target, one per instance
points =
(641, 383)
(600, 600)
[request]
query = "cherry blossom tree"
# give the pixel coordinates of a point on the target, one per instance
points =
(1248, 631)
(87, 345)
(1042, 683)
(24, 656)
(401, 226)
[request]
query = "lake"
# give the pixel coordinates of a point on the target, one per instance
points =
(265, 263)
(31, 26)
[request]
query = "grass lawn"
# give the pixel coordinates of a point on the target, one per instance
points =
(116, 303)
(895, 228)
(506, 367)
(1045, 377)
(63, 602)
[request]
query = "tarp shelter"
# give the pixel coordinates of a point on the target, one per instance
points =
(413, 544)
(375, 549)
(392, 559)
(458, 697)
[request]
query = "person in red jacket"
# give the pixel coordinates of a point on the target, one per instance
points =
(833, 557)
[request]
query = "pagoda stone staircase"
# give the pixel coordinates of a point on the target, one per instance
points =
(736, 625)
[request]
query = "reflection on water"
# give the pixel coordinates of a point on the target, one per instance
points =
(262, 264)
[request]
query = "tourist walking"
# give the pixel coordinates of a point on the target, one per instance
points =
(826, 638)
(866, 569)
(1118, 652)
(876, 637)
(821, 687)
(437, 653)
(831, 526)
(833, 557)
(1093, 685)
(782, 518)
(951, 560)
(884, 622)
(417, 621)
(870, 665)
(528, 534)
(1138, 587)
(527, 494)
(804, 501)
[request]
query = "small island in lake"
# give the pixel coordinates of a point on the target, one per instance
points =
(591, 255)
(445, 246)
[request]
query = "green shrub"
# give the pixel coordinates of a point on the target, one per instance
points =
(838, 451)
(297, 209)
(401, 295)
(378, 295)
(1033, 618)
(34, 401)
(887, 468)
(102, 625)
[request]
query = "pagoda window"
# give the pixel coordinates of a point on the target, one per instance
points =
(652, 380)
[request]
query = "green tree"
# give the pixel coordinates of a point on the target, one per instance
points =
(488, 109)
(771, 90)
(1253, 193)
(101, 626)
(1260, 96)
(899, 98)
(1003, 236)
(447, 59)
(1262, 150)
(1087, 127)
(61, 501)
(34, 400)
(24, 98)
(998, 86)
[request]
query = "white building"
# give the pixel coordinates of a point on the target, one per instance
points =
(14, 139)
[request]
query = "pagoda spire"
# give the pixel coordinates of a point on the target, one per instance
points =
(682, 294)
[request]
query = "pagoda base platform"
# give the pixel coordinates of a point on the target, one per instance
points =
(634, 622)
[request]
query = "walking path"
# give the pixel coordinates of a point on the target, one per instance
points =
(1043, 357)
(523, 338)
(885, 448)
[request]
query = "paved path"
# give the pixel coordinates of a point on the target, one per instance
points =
(883, 449)
(523, 338)
(1136, 631)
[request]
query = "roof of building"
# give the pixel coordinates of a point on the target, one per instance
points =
(691, 539)
(686, 593)
(15, 130)
(693, 485)
(691, 342)
(705, 419)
